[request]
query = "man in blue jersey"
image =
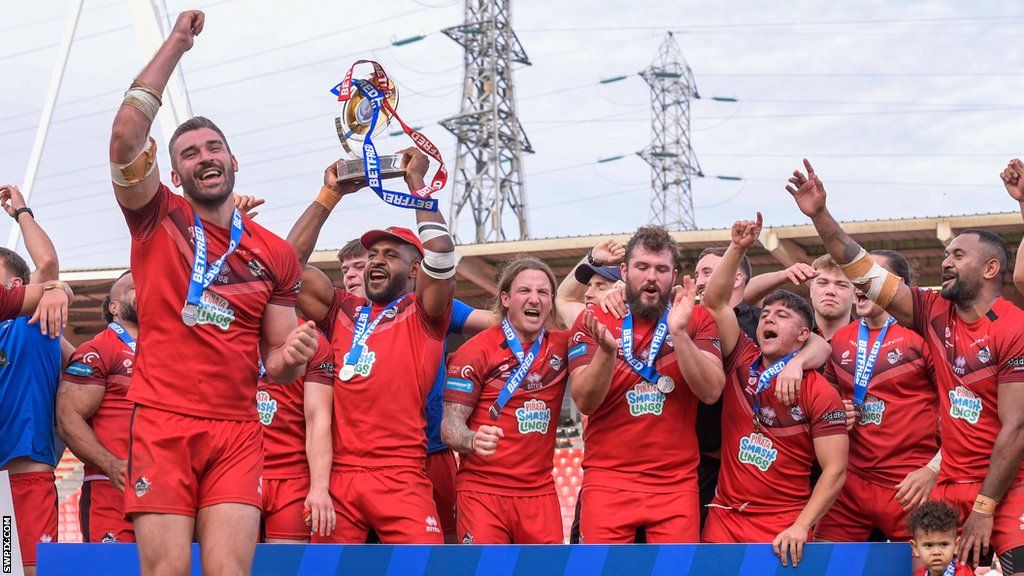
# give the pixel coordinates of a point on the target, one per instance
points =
(465, 321)
(30, 367)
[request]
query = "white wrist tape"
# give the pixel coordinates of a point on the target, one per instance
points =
(936, 462)
(882, 285)
(440, 265)
(138, 169)
(430, 230)
(143, 101)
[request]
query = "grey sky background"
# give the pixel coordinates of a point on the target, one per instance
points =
(905, 108)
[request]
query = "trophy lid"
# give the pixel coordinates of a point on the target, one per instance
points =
(353, 119)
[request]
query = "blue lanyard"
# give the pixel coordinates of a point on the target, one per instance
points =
(371, 161)
(203, 275)
(525, 363)
(866, 361)
(950, 570)
(363, 331)
(764, 379)
(647, 370)
(123, 335)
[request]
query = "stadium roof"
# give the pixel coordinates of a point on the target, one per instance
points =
(920, 239)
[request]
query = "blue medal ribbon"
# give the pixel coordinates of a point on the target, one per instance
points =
(526, 361)
(371, 162)
(764, 379)
(647, 371)
(950, 570)
(123, 335)
(364, 328)
(203, 275)
(865, 360)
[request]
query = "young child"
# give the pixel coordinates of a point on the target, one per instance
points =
(934, 539)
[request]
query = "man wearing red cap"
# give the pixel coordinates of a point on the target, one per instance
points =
(386, 358)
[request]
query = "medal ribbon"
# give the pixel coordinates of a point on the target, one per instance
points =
(123, 335)
(647, 370)
(376, 95)
(526, 361)
(764, 379)
(866, 361)
(362, 331)
(203, 276)
(950, 570)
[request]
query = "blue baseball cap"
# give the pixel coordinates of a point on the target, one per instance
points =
(584, 272)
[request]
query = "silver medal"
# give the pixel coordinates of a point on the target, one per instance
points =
(666, 384)
(347, 372)
(190, 314)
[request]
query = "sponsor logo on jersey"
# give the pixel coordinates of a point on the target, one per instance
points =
(141, 487)
(964, 404)
(109, 538)
(79, 369)
(758, 451)
(215, 309)
(871, 411)
(894, 356)
(467, 539)
(46, 538)
(845, 357)
(459, 384)
(1017, 362)
(834, 416)
(577, 350)
(366, 362)
(266, 406)
(960, 365)
(433, 525)
(984, 355)
(645, 398)
(533, 416)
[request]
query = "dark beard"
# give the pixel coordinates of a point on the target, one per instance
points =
(646, 311)
(393, 289)
(190, 186)
(129, 313)
(960, 292)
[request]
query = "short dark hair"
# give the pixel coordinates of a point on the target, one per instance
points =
(933, 516)
(794, 303)
(15, 264)
(511, 269)
(194, 123)
(351, 249)
(108, 316)
(897, 263)
(653, 239)
(994, 248)
(720, 252)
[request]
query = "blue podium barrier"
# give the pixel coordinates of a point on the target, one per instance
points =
(459, 560)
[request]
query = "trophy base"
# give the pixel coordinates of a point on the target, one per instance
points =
(390, 167)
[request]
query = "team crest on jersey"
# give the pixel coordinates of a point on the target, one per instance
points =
(645, 398)
(984, 355)
(964, 404)
(256, 268)
(758, 451)
(894, 356)
(467, 539)
(433, 525)
(215, 309)
(872, 410)
(960, 365)
(141, 487)
(109, 538)
(266, 406)
(533, 416)
(556, 363)
(796, 413)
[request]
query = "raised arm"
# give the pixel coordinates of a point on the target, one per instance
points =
(590, 382)
(569, 299)
(132, 151)
(435, 283)
(880, 285)
(719, 289)
(38, 244)
(76, 403)
(702, 370)
(306, 230)
(762, 285)
(1013, 179)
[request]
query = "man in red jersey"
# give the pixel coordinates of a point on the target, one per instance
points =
(502, 399)
(215, 291)
(977, 333)
(296, 420)
(768, 446)
(640, 466)
(592, 277)
(884, 373)
(386, 358)
(94, 415)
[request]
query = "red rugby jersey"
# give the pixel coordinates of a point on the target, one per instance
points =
(380, 414)
(106, 361)
(640, 439)
(282, 412)
(768, 468)
(477, 371)
(898, 428)
(207, 370)
(972, 359)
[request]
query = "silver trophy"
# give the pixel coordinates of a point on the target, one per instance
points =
(353, 124)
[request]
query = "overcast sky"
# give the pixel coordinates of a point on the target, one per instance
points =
(907, 109)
